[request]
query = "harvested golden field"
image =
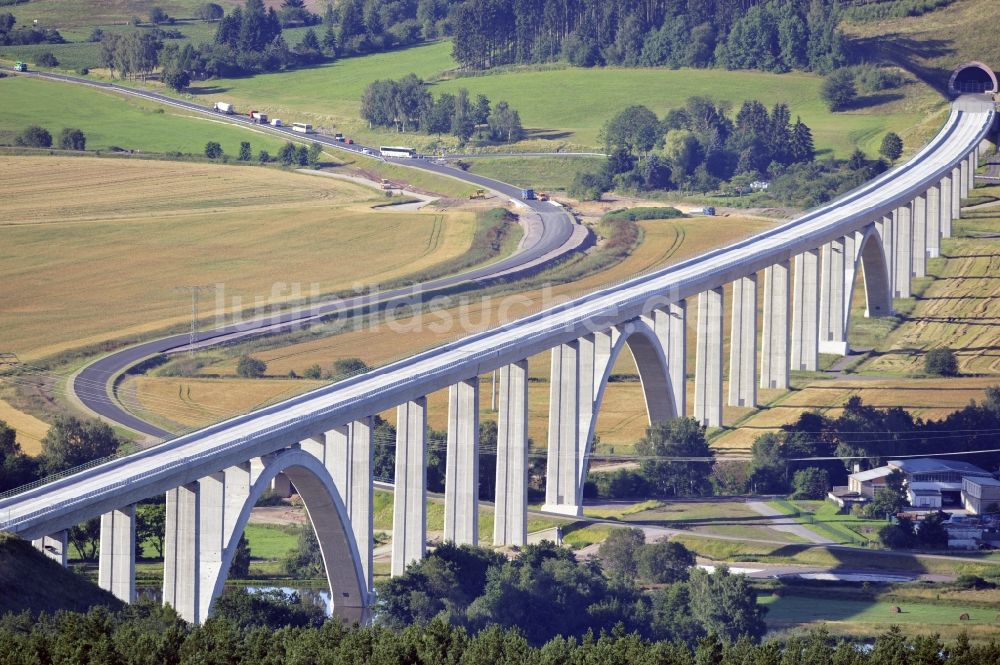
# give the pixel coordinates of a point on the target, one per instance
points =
(96, 248)
(927, 398)
(959, 310)
(623, 418)
(665, 242)
(30, 430)
(188, 403)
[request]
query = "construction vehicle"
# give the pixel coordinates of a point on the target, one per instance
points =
(20, 66)
(258, 117)
(223, 107)
(528, 194)
(386, 184)
(478, 194)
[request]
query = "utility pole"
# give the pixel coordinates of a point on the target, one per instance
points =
(194, 290)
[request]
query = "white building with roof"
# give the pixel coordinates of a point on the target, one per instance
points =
(979, 494)
(929, 482)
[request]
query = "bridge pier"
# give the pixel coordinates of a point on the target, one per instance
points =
(903, 246)
(510, 520)
(562, 473)
(677, 354)
(409, 515)
(54, 546)
(946, 208)
(461, 494)
(887, 234)
(708, 359)
(934, 221)
(956, 195)
(743, 343)
(774, 357)
(920, 236)
(964, 170)
(832, 337)
(116, 562)
(181, 577)
(805, 312)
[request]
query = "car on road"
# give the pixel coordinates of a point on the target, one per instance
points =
(338, 137)
(20, 66)
(350, 141)
(367, 151)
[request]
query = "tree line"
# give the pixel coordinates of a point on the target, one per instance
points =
(11, 36)
(407, 105)
(735, 34)
(697, 147)
(241, 632)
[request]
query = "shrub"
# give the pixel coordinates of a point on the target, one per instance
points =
(34, 137)
(245, 152)
(210, 11)
(249, 367)
(213, 150)
(810, 483)
(72, 139)
(941, 362)
(897, 536)
(46, 59)
(892, 146)
(838, 90)
(83, 71)
(264, 157)
(348, 367)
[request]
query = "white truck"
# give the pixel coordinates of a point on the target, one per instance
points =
(223, 107)
(276, 122)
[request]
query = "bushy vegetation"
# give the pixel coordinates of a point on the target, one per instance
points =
(69, 442)
(253, 629)
(748, 34)
(941, 362)
(697, 147)
(12, 36)
(544, 592)
(407, 104)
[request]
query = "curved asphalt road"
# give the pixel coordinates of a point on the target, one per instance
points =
(557, 234)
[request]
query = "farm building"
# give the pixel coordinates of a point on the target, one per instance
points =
(979, 494)
(929, 482)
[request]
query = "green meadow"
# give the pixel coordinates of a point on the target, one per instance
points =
(110, 119)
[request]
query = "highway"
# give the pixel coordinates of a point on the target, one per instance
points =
(119, 482)
(558, 235)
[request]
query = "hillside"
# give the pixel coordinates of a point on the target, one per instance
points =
(932, 45)
(30, 581)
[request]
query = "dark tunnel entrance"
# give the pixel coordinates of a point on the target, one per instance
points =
(973, 77)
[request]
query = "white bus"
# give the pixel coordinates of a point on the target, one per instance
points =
(302, 127)
(390, 151)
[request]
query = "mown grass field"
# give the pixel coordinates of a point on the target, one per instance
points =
(542, 173)
(30, 430)
(862, 617)
(111, 120)
(96, 247)
(80, 13)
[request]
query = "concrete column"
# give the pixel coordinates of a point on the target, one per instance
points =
(774, 353)
(852, 251)
(409, 516)
(832, 337)
(677, 354)
(360, 494)
(510, 519)
(887, 234)
(903, 246)
(238, 483)
(461, 493)
(919, 253)
(963, 169)
(211, 537)
(54, 546)
(934, 221)
(956, 193)
(181, 577)
(281, 486)
(947, 209)
(561, 488)
(805, 312)
(116, 565)
(708, 359)
(594, 354)
(743, 343)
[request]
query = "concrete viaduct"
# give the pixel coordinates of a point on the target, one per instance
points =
(321, 441)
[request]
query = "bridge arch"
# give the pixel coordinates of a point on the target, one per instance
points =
(329, 520)
(973, 76)
(650, 361)
(871, 261)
